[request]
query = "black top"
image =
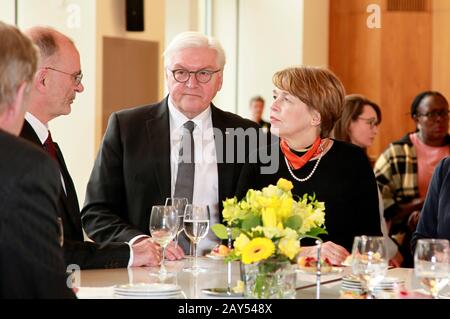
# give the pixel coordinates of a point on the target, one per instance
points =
(343, 180)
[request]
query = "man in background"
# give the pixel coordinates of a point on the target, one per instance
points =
(31, 260)
(57, 81)
(257, 104)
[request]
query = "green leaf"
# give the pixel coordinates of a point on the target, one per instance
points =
(220, 231)
(294, 222)
(235, 232)
(314, 233)
(251, 221)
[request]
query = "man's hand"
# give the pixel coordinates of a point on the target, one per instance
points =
(174, 253)
(146, 253)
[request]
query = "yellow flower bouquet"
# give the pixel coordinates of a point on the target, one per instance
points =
(267, 226)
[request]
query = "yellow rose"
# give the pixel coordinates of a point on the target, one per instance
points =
(285, 185)
(289, 247)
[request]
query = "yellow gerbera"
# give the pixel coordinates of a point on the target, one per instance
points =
(257, 249)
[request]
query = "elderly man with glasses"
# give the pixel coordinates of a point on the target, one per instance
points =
(55, 86)
(169, 149)
(403, 171)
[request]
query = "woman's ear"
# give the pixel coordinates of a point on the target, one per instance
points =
(316, 118)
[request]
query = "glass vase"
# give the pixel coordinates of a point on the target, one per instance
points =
(269, 279)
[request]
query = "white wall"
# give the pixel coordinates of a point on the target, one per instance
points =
(74, 133)
(7, 11)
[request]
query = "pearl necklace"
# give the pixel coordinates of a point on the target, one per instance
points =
(310, 174)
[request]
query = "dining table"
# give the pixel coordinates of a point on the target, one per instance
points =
(213, 281)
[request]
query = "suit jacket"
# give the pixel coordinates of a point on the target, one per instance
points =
(132, 171)
(31, 260)
(76, 250)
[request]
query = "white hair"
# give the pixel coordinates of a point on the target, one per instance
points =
(191, 39)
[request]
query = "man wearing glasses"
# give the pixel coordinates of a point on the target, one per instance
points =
(169, 149)
(57, 81)
(403, 171)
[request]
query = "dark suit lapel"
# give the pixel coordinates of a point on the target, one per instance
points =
(158, 132)
(69, 198)
(225, 171)
(29, 134)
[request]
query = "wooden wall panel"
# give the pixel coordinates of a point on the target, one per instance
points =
(441, 47)
(389, 65)
(130, 75)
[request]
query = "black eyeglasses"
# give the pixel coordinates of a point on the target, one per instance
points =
(373, 122)
(202, 76)
(76, 77)
(435, 114)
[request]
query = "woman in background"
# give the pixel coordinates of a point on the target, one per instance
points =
(307, 103)
(403, 171)
(359, 125)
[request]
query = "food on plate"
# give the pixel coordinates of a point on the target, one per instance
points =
(310, 264)
(220, 251)
(364, 258)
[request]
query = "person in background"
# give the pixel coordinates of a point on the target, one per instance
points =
(31, 259)
(359, 125)
(53, 91)
(257, 104)
(403, 171)
(434, 221)
(169, 149)
(307, 103)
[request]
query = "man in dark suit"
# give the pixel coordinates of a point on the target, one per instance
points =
(56, 84)
(31, 260)
(142, 157)
(257, 104)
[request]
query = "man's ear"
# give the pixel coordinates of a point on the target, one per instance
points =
(39, 80)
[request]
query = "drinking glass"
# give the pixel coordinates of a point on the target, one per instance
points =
(431, 264)
(369, 262)
(163, 228)
(196, 226)
(179, 203)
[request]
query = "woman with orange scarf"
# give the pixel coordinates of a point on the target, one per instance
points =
(307, 103)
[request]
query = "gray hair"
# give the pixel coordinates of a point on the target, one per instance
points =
(192, 39)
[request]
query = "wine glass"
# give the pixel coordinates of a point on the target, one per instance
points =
(179, 203)
(431, 264)
(163, 228)
(196, 226)
(369, 262)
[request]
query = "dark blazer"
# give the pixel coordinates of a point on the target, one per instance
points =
(31, 260)
(76, 251)
(132, 171)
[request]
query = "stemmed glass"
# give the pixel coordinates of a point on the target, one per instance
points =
(196, 226)
(369, 262)
(163, 228)
(431, 264)
(179, 203)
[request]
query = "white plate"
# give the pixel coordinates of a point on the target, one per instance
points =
(146, 289)
(215, 257)
(313, 270)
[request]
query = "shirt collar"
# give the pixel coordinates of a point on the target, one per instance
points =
(201, 121)
(40, 128)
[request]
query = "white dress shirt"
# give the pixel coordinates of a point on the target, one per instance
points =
(206, 178)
